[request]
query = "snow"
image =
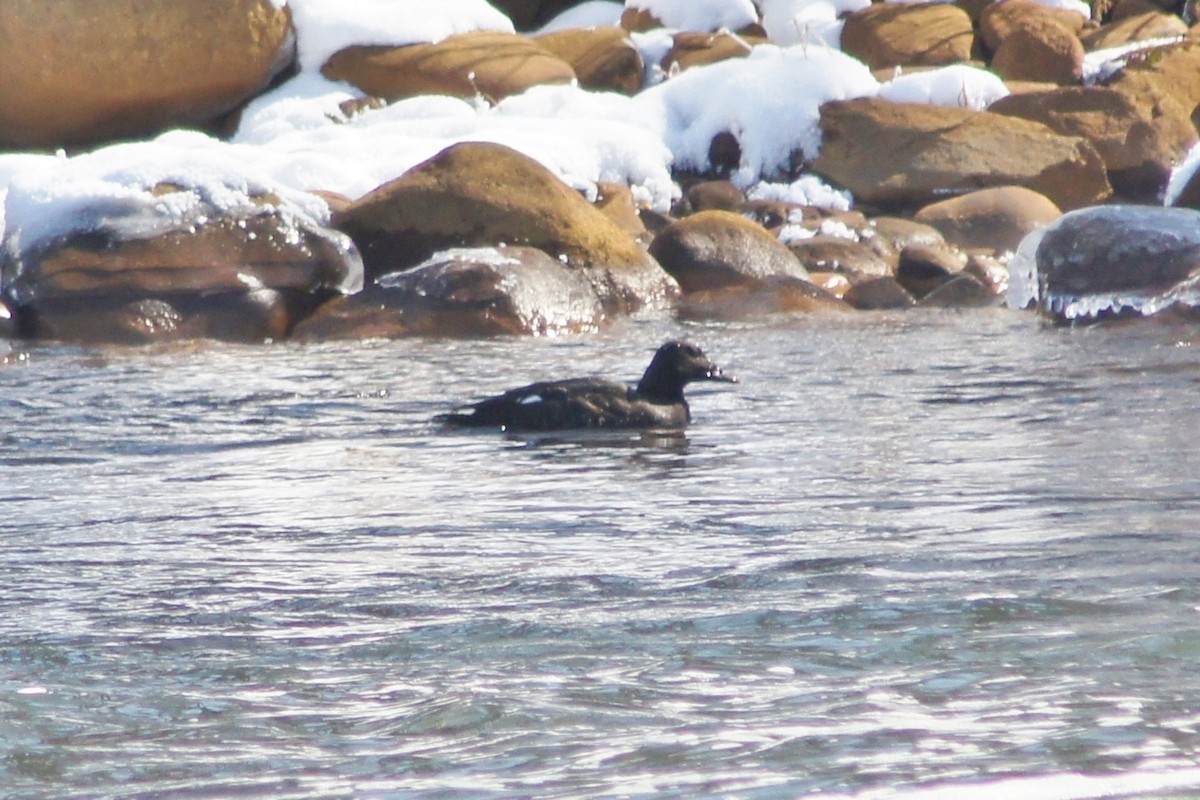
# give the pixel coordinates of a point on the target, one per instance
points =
(327, 26)
(699, 15)
(592, 14)
(790, 22)
(955, 85)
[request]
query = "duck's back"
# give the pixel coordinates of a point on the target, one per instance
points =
(575, 403)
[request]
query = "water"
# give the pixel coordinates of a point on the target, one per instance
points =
(930, 555)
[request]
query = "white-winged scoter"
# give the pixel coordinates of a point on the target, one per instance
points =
(655, 402)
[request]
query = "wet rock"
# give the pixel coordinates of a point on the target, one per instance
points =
(878, 294)
(890, 235)
(900, 154)
(856, 260)
(477, 194)
(923, 268)
(240, 275)
(491, 64)
(718, 249)
(887, 35)
(1140, 137)
(81, 72)
(1151, 24)
(604, 59)
(1117, 260)
(470, 292)
(961, 291)
(777, 294)
(995, 219)
(693, 49)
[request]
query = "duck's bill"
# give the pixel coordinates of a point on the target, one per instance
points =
(716, 374)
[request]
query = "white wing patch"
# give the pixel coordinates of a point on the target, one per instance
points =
(530, 399)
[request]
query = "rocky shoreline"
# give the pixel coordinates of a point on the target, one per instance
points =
(1055, 172)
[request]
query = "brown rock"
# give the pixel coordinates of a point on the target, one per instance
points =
(995, 219)
(694, 49)
(961, 291)
(844, 256)
(717, 249)
(465, 292)
(1167, 73)
(1137, 28)
(900, 232)
(1140, 137)
(715, 195)
(81, 72)
(1040, 50)
(615, 201)
(494, 65)
(998, 19)
(910, 154)
(897, 34)
(476, 194)
(778, 294)
(604, 59)
(924, 268)
(878, 294)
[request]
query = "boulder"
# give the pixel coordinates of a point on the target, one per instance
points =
(886, 35)
(472, 292)
(242, 276)
(1136, 28)
(1167, 73)
(604, 59)
(77, 72)
(856, 260)
(961, 291)
(714, 250)
(996, 219)
(923, 268)
(878, 294)
(476, 194)
(720, 195)
(480, 63)
(900, 154)
(776, 294)
(1000, 18)
(1140, 136)
(1040, 51)
(1119, 260)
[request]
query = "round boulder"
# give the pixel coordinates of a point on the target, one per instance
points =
(994, 219)
(718, 249)
(82, 72)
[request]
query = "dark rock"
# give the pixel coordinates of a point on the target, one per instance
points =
(878, 294)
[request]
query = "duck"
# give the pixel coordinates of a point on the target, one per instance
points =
(656, 401)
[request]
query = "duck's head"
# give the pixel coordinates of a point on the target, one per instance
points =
(675, 365)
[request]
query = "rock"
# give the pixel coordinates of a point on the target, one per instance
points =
(717, 249)
(1167, 73)
(1119, 260)
(1136, 28)
(996, 219)
(604, 59)
(244, 276)
(889, 235)
(999, 19)
(924, 268)
(477, 194)
(777, 294)
(693, 49)
(80, 72)
(736, 15)
(615, 201)
(465, 292)
(990, 271)
(719, 195)
(492, 64)
(1140, 137)
(878, 294)
(961, 291)
(886, 35)
(1044, 51)
(900, 154)
(856, 260)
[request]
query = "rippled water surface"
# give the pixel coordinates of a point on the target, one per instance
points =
(932, 556)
